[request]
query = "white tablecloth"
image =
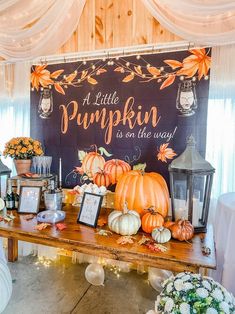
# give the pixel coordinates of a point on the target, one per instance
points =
(225, 241)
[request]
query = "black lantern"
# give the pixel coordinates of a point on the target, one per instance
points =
(186, 101)
(5, 173)
(191, 179)
(45, 107)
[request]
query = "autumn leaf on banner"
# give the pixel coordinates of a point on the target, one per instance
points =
(56, 74)
(41, 226)
(40, 76)
(138, 70)
(71, 77)
(165, 153)
(98, 72)
(104, 152)
(81, 155)
(118, 69)
(174, 64)
(84, 73)
(144, 240)
(140, 167)
(197, 61)
(128, 78)
(125, 240)
(154, 71)
(168, 81)
(91, 80)
(102, 221)
(59, 88)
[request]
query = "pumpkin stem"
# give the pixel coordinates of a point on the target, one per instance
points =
(152, 210)
(125, 208)
(95, 147)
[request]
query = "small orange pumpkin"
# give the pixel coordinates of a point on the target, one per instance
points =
(115, 168)
(168, 224)
(152, 220)
(182, 230)
(92, 163)
(102, 178)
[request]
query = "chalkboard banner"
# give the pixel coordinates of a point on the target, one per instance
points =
(125, 112)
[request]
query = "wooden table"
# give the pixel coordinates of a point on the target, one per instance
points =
(180, 256)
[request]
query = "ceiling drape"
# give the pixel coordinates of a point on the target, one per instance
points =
(31, 28)
(206, 22)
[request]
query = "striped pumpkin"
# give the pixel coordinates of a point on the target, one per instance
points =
(93, 162)
(141, 190)
(102, 178)
(115, 168)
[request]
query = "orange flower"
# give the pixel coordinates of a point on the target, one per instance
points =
(197, 61)
(40, 76)
(165, 153)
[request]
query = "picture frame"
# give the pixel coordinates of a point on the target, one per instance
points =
(29, 199)
(90, 209)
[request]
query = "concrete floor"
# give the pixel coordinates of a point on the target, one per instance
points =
(62, 288)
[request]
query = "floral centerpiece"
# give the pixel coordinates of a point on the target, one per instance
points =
(22, 149)
(189, 293)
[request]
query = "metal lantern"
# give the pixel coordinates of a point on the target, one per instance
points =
(45, 107)
(186, 101)
(191, 179)
(4, 172)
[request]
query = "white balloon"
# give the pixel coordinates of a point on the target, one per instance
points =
(94, 274)
(157, 276)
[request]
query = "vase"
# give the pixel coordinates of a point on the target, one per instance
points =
(22, 165)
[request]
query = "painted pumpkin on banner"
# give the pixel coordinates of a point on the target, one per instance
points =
(141, 190)
(115, 168)
(152, 219)
(102, 178)
(92, 163)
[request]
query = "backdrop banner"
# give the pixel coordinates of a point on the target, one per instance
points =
(138, 109)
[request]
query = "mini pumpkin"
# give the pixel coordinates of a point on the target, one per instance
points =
(161, 235)
(151, 220)
(126, 222)
(182, 230)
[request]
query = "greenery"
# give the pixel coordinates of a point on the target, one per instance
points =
(22, 148)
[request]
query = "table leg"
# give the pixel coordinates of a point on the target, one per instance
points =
(12, 250)
(204, 271)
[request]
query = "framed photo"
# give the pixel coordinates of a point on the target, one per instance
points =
(90, 209)
(29, 200)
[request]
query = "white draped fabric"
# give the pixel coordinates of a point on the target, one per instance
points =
(207, 22)
(31, 28)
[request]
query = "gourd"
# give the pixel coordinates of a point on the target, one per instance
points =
(182, 230)
(142, 190)
(115, 168)
(126, 222)
(161, 235)
(151, 220)
(102, 178)
(92, 163)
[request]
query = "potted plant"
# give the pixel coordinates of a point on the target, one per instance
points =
(22, 150)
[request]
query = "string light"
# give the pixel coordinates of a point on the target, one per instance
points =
(128, 64)
(84, 62)
(138, 57)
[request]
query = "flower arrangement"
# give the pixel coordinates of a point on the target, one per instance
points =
(189, 293)
(22, 148)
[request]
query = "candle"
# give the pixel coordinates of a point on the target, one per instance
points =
(60, 172)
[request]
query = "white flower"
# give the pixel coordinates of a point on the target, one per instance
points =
(151, 312)
(211, 310)
(169, 287)
(169, 305)
(206, 284)
(179, 285)
(228, 297)
(202, 293)
(185, 278)
(224, 307)
(157, 302)
(187, 286)
(180, 275)
(197, 276)
(184, 308)
(217, 294)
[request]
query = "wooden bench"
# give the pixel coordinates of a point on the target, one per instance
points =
(180, 256)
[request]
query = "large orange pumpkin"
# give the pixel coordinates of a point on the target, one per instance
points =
(115, 168)
(93, 162)
(141, 190)
(152, 219)
(102, 178)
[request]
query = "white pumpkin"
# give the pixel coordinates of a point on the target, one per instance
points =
(5, 281)
(161, 235)
(126, 222)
